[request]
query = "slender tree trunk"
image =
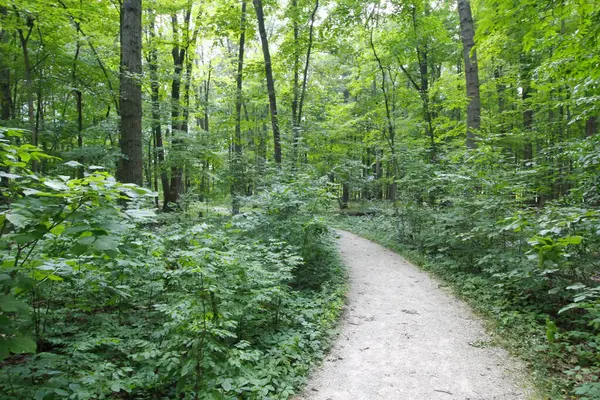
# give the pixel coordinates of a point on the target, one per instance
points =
(296, 83)
(178, 54)
(237, 187)
(131, 165)
(5, 99)
(467, 34)
(78, 99)
(258, 6)
(300, 105)
(391, 132)
(307, 61)
(156, 120)
(526, 67)
(24, 40)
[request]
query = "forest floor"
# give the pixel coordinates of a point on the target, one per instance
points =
(403, 336)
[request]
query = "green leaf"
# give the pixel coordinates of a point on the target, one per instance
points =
(4, 174)
(18, 220)
(20, 345)
(9, 304)
(106, 243)
(571, 240)
(141, 214)
(74, 164)
(4, 352)
(56, 185)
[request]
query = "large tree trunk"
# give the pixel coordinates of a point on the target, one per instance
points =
(270, 82)
(237, 186)
(131, 165)
(467, 34)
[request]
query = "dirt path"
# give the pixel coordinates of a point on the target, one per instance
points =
(404, 338)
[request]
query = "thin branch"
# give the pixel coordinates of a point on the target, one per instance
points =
(305, 75)
(96, 55)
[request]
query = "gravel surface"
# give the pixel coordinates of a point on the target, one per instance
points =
(403, 337)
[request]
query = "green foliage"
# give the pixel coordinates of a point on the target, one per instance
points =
(102, 299)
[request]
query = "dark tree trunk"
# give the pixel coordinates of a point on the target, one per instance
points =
(270, 81)
(78, 100)
(467, 34)
(591, 126)
(131, 165)
(345, 195)
(528, 110)
(237, 186)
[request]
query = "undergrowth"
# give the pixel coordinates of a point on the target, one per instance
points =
(103, 299)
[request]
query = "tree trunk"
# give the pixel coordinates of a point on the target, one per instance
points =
(591, 126)
(467, 34)
(296, 83)
(345, 196)
(131, 165)
(178, 54)
(5, 99)
(270, 82)
(78, 103)
(304, 80)
(156, 125)
(237, 186)
(24, 39)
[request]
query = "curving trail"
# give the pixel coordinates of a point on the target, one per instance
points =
(404, 338)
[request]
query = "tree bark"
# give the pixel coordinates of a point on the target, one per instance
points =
(467, 34)
(131, 165)
(258, 6)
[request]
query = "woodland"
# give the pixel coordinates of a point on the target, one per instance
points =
(170, 171)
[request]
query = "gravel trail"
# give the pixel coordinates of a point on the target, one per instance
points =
(402, 337)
